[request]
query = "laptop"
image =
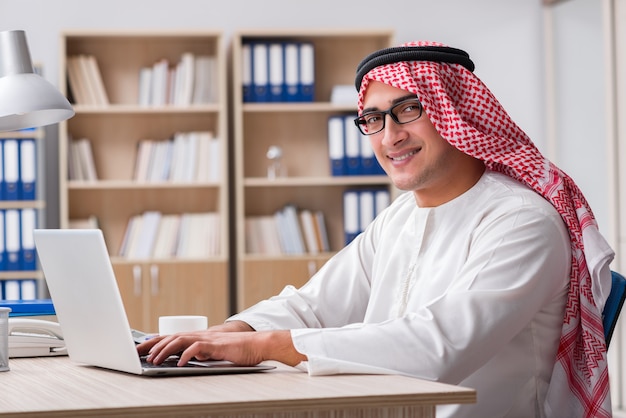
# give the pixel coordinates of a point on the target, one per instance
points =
(89, 307)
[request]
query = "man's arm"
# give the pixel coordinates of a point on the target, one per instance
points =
(243, 348)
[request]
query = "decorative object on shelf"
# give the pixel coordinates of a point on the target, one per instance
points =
(26, 99)
(275, 168)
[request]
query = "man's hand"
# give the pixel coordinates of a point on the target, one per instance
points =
(246, 347)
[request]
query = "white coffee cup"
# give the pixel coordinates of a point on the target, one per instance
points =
(181, 323)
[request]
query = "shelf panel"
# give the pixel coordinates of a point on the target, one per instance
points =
(328, 181)
(135, 109)
(22, 204)
(19, 274)
(298, 107)
(134, 185)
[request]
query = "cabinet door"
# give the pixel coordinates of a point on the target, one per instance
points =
(265, 278)
(186, 289)
(151, 290)
(130, 282)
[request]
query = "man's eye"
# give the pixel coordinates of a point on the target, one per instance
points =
(372, 119)
(411, 108)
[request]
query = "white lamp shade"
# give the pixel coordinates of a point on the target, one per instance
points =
(26, 99)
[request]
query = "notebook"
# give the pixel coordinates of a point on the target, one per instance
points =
(89, 307)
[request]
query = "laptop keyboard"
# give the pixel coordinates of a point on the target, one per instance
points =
(169, 362)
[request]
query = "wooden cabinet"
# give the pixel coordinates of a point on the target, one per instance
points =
(300, 130)
(149, 287)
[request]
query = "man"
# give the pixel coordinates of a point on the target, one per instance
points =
(465, 279)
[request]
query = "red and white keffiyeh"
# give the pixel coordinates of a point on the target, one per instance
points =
(470, 118)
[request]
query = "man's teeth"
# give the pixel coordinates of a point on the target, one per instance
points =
(405, 156)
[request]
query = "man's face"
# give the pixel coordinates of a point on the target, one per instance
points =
(413, 154)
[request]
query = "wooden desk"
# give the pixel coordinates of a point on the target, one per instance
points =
(57, 387)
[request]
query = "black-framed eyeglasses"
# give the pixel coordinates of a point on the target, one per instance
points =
(406, 111)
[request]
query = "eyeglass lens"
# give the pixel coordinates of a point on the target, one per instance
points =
(403, 112)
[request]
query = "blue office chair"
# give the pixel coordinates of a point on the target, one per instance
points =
(613, 305)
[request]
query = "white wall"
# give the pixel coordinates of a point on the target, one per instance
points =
(504, 37)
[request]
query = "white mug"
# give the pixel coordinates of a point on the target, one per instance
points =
(181, 323)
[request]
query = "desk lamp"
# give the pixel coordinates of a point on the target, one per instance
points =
(27, 100)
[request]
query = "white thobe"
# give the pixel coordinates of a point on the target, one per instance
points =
(471, 292)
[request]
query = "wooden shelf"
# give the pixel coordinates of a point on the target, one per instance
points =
(149, 287)
(300, 129)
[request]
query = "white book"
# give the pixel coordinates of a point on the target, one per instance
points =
(177, 168)
(131, 237)
(158, 162)
(382, 200)
(159, 82)
(322, 233)
(87, 163)
(76, 80)
(145, 86)
(269, 233)
(167, 237)
(143, 247)
(308, 228)
(12, 289)
(75, 167)
(191, 150)
(203, 156)
(101, 96)
(283, 232)
(252, 231)
(205, 80)
(183, 236)
(91, 96)
(185, 80)
(142, 161)
(28, 289)
(366, 208)
(295, 232)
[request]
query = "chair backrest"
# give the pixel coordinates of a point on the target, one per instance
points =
(613, 305)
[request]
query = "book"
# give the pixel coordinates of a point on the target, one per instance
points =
(145, 86)
(185, 75)
(86, 160)
(307, 72)
(322, 233)
(76, 81)
(276, 72)
(350, 215)
(292, 72)
(336, 145)
(260, 72)
(28, 169)
(205, 80)
(142, 243)
(310, 234)
(145, 148)
(12, 244)
(167, 237)
(95, 79)
(246, 73)
(11, 168)
(28, 223)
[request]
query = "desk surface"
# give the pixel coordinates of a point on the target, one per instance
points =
(58, 387)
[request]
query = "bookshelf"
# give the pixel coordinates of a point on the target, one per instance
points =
(22, 206)
(115, 125)
(300, 129)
